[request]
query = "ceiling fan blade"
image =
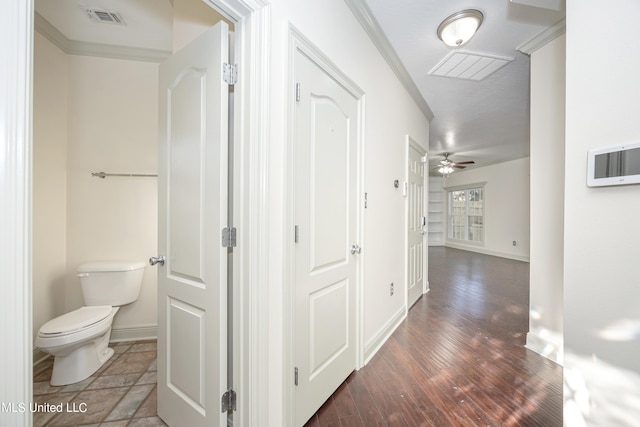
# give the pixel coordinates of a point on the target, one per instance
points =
(458, 166)
(470, 162)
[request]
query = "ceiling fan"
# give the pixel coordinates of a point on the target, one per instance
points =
(446, 166)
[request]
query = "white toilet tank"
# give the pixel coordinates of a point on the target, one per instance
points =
(111, 283)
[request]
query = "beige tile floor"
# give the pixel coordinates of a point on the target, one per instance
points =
(122, 392)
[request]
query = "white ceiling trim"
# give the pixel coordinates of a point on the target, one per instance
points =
(73, 47)
(363, 14)
(544, 37)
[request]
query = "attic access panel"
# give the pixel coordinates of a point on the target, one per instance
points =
(469, 66)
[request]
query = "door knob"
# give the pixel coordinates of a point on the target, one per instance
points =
(355, 249)
(157, 260)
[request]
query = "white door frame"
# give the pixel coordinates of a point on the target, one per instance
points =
(299, 42)
(250, 215)
(16, 71)
(251, 206)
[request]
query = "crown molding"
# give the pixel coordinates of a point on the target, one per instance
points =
(371, 26)
(546, 36)
(74, 47)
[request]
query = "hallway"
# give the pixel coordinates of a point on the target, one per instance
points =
(458, 359)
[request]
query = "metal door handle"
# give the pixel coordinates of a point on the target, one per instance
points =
(157, 260)
(355, 249)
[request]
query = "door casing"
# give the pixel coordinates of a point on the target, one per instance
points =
(250, 202)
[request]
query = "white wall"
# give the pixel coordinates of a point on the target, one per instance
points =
(112, 128)
(390, 115)
(91, 115)
(506, 215)
(547, 198)
(50, 88)
(192, 18)
(602, 231)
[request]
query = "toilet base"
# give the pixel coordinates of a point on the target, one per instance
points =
(82, 362)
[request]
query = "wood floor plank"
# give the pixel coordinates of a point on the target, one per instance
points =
(343, 402)
(429, 409)
(391, 413)
(313, 422)
(364, 402)
(327, 415)
(351, 421)
(459, 357)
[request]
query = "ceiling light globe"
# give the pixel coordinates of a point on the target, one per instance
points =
(459, 28)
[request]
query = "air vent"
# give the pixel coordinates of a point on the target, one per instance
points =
(104, 16)
(469, 66)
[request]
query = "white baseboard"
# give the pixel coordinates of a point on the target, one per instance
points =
(485, 251)
(143, 332)
(39, 356)
(378, 340)
(549, 346)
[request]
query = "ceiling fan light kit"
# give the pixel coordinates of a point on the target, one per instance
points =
(445, 170)
(457, 29)
(447, 166)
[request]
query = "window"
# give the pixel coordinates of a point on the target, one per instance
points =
(466, 215)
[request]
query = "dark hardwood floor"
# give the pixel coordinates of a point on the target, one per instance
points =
(458, 359)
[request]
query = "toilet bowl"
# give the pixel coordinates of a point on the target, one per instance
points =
(79, 340)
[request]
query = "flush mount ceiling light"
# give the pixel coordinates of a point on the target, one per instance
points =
(457, 29)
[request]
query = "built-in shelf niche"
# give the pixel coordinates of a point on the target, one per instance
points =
(437, 220)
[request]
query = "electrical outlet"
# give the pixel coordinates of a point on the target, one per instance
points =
(391, 287)
(514, 243)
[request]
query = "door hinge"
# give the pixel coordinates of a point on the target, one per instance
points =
(424, 159)
(295, 376)
(295, 234)
(229, 237)
(229, 400)
(297, 91)
(230, 73)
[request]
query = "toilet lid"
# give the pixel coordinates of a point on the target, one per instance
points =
(77, 319)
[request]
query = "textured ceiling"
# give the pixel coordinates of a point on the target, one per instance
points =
(488, 120)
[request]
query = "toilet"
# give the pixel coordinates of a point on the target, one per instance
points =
(79, 340)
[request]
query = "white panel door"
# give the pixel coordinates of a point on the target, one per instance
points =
(192, 211)
(416, 221)
(326, 132)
